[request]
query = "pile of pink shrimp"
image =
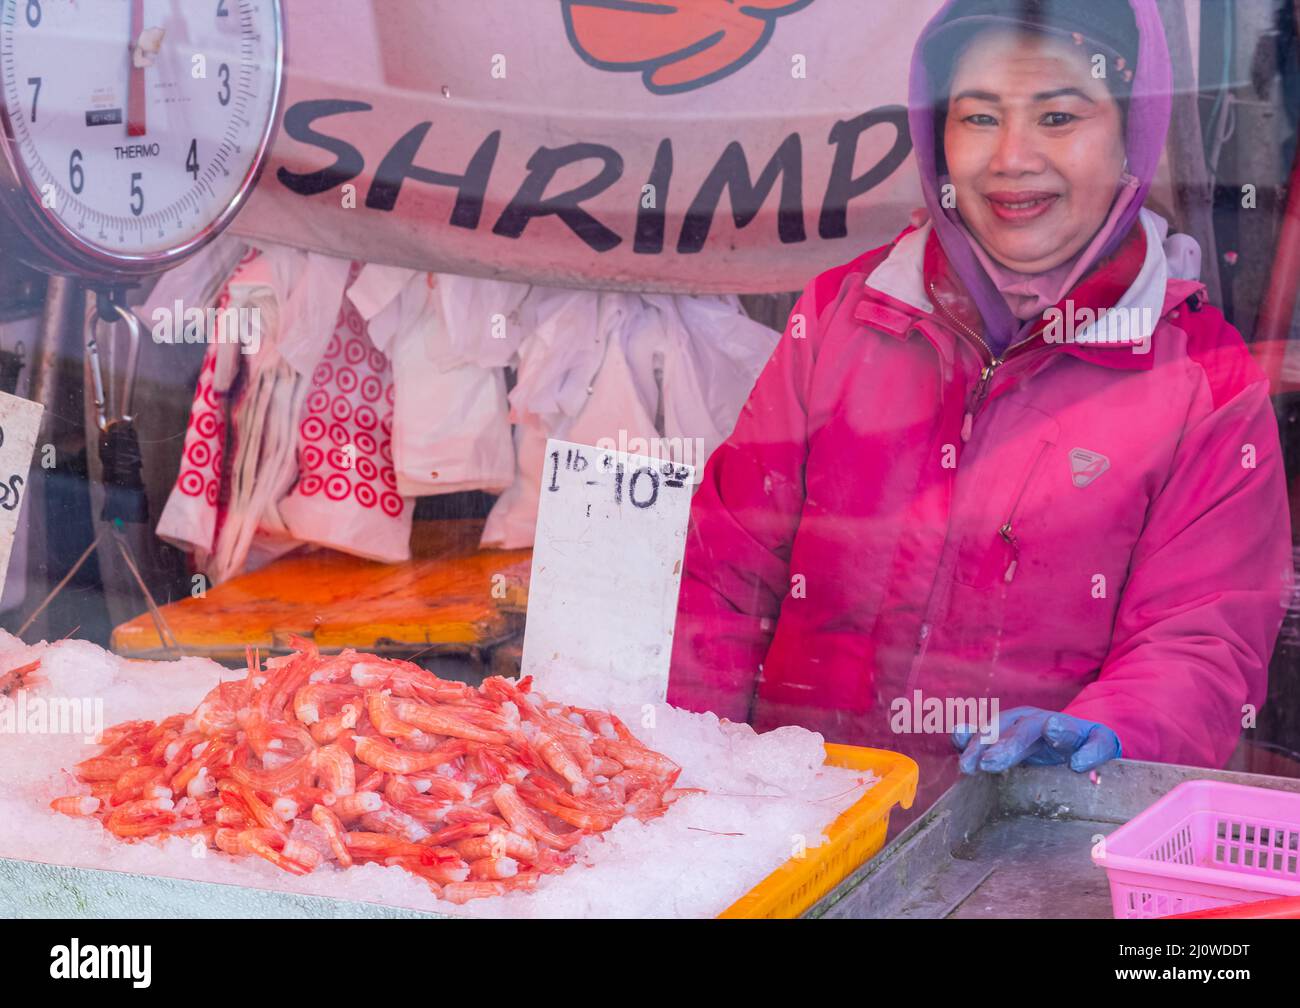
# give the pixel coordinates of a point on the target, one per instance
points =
(352, 758)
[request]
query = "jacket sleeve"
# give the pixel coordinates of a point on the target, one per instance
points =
(1207, 584)
(742, 523)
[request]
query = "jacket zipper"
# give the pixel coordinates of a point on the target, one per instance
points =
(1007, 531)
(986, 374)
(1008, 535)
(977, 400)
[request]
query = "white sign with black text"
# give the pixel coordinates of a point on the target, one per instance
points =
(20, 420)
(607, 565)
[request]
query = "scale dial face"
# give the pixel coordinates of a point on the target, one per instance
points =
(134, 129)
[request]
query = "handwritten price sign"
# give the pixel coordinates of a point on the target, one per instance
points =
(602, 599)
(20, 419)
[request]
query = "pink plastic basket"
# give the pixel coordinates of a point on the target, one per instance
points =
(1205, 844)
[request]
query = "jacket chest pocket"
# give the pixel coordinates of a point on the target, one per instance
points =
(1001, 490)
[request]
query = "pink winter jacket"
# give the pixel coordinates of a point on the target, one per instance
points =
(1111, 538)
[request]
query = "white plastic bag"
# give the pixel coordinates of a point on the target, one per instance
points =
(697, 358)
(554, 363)
(346, 494)
(450, 426)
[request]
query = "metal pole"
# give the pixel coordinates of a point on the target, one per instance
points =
(60, 323)
(1273, 328)
(1191, 177)
(60, 330)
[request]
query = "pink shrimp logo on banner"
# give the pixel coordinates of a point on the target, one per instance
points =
(676, 46)
(695, 145)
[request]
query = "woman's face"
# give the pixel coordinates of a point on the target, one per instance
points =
(1034, 147)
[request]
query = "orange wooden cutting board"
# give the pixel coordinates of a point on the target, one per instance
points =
(448, 597)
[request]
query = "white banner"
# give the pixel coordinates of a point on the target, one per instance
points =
(697, 145)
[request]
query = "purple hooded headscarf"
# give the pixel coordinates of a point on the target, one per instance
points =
(1148, 112)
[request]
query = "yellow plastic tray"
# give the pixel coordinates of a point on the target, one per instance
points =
(858, 834)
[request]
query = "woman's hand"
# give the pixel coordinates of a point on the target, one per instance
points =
(1039, 737)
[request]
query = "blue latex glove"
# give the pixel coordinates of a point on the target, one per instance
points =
(1038, 737)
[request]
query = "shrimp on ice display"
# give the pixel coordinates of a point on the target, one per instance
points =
(351, 758)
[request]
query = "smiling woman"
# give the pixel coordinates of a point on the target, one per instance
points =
(1034, 147)
(1032, 117)
(934, 493)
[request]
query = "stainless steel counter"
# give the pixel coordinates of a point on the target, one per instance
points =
(1016, 844)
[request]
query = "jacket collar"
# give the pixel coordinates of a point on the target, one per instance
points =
(1108, 319)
